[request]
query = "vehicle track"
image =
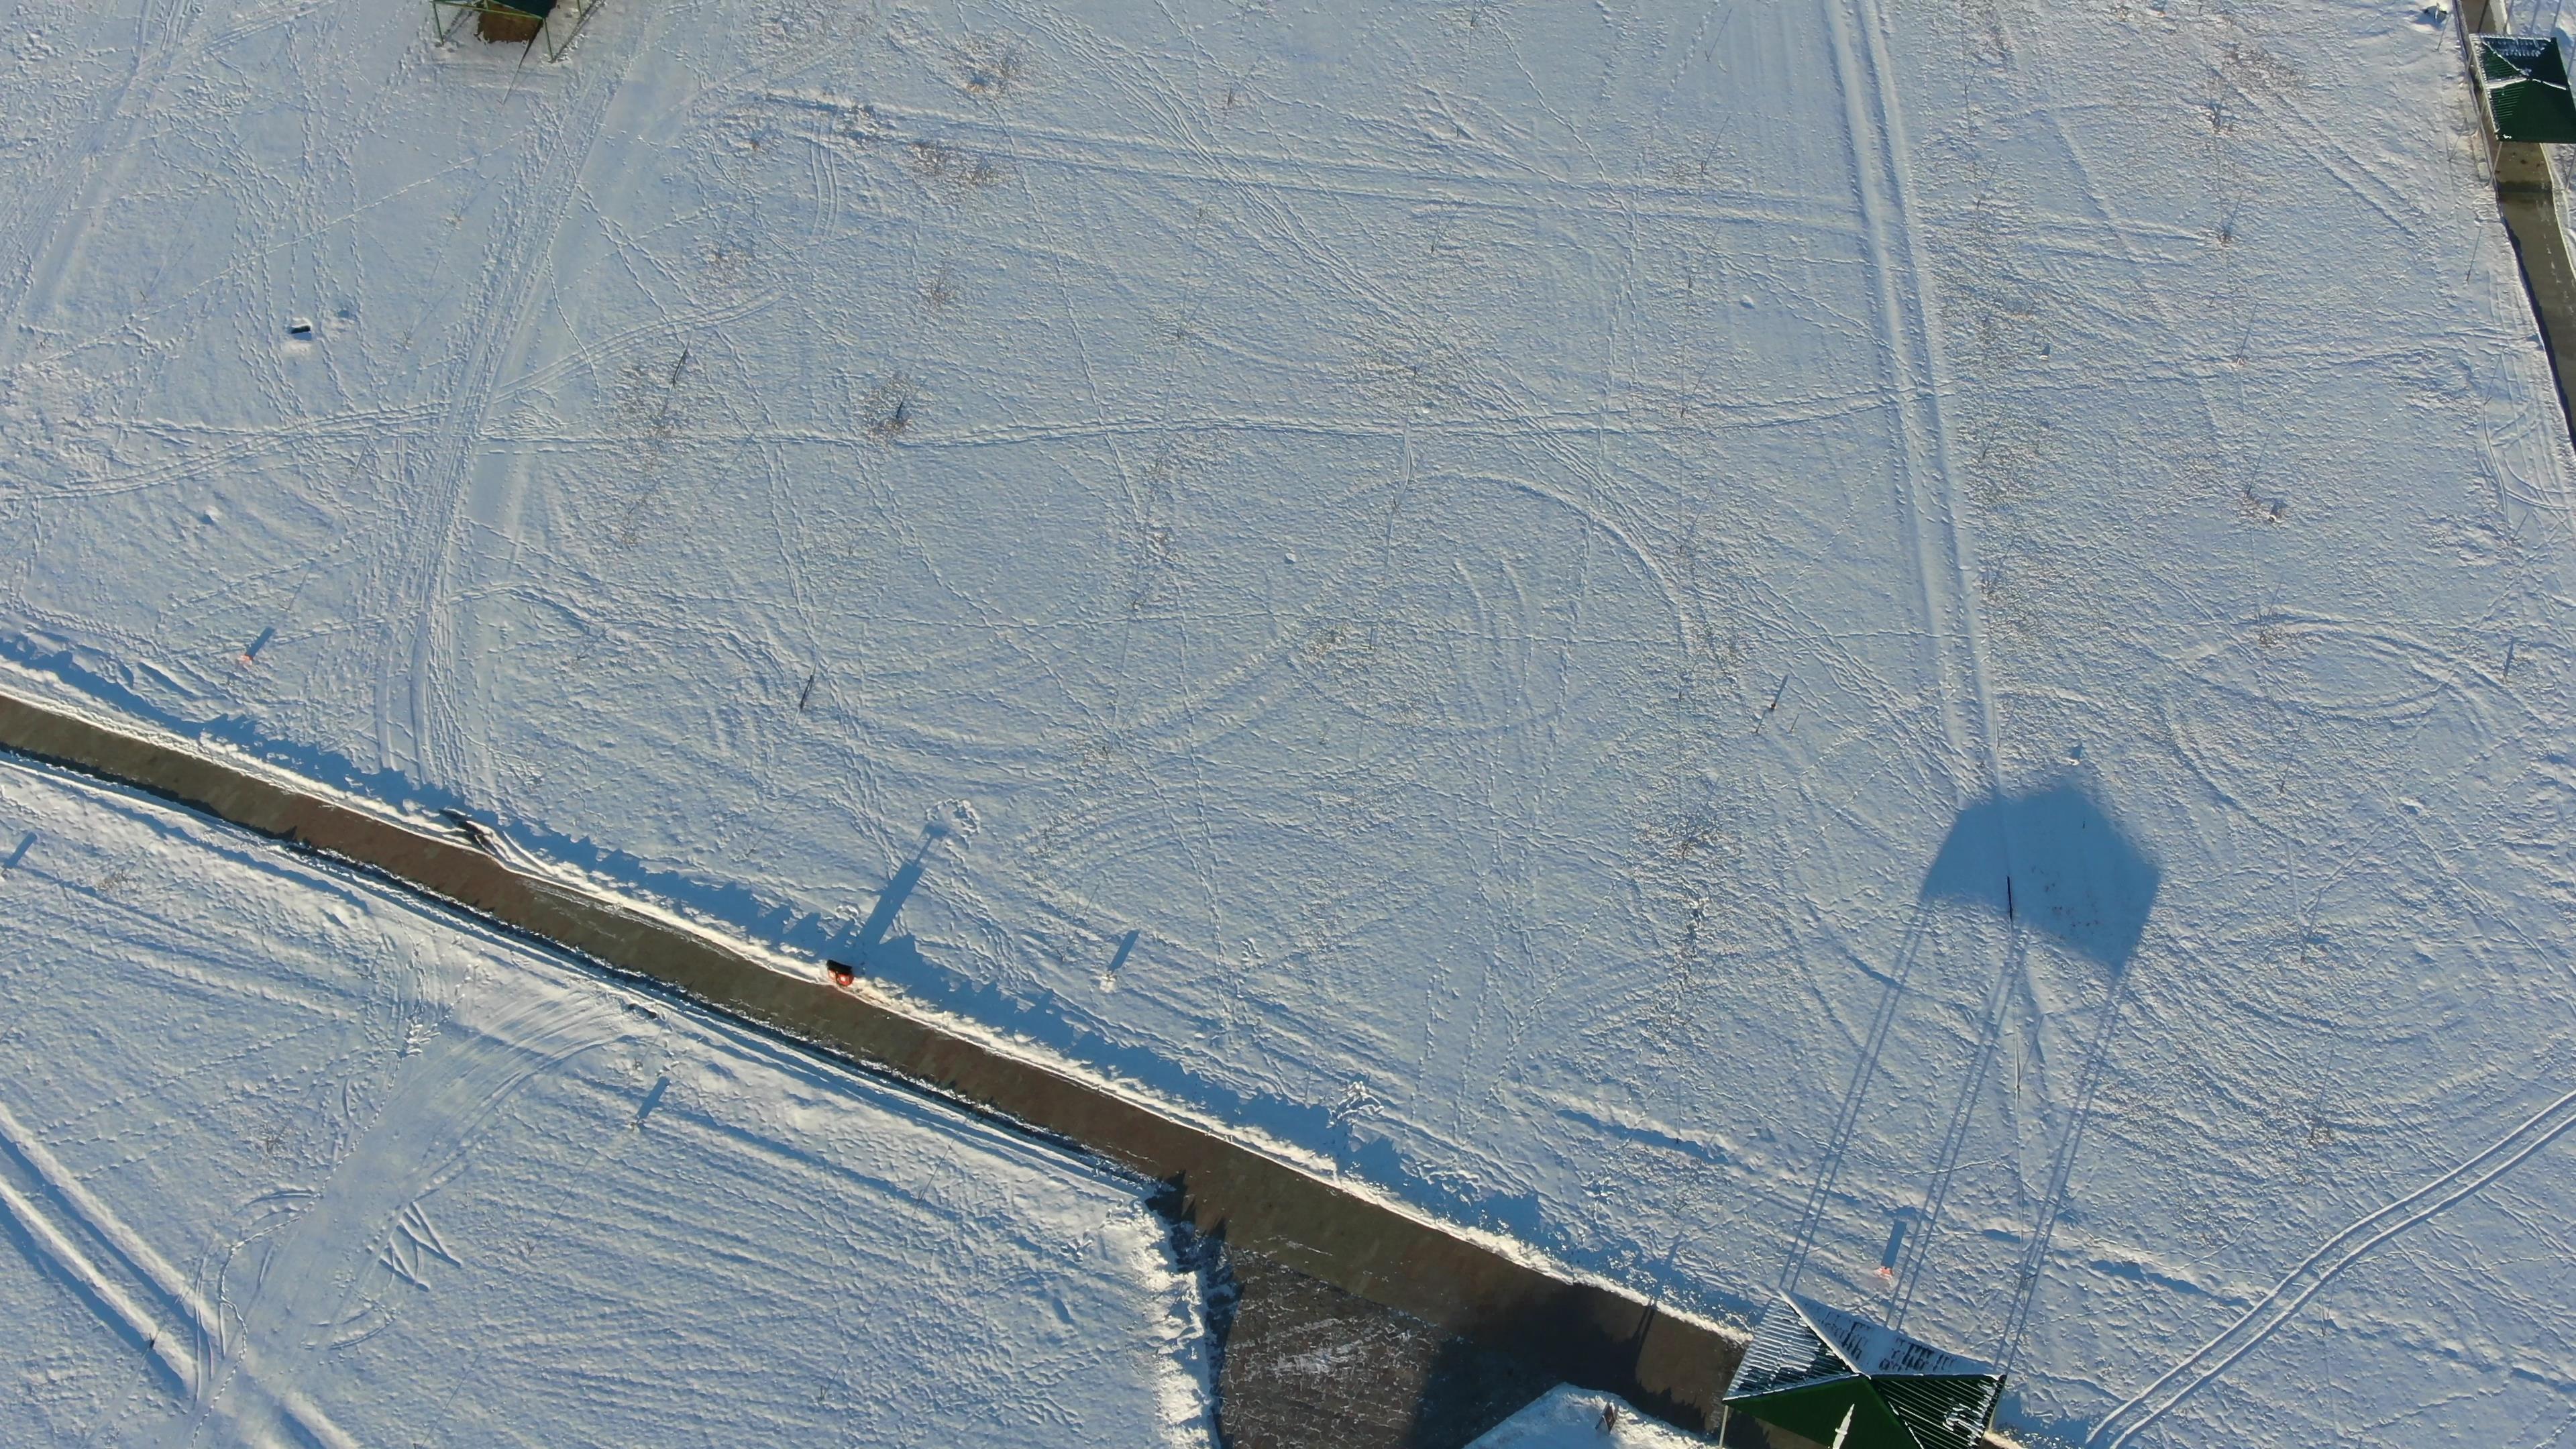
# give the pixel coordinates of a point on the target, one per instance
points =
(517, 270)
(143, 1297)
(2330, 1258)
(1935, 539)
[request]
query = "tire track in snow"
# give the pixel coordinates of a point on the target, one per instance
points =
(136, 1291)
(516, 272)
(2337, 1253)
(1927, 483)
(50, 232)
(115, 1304)
(1927, 504)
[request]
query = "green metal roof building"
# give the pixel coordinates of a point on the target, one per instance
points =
(2525, 80)
(1849, 1383)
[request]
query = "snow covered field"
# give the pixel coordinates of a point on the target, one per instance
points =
(285, 1157)
(1743, 640)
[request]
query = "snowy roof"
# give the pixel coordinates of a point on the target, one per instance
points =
(1566, 1417)
(1859, 1345)
(1820, 1371)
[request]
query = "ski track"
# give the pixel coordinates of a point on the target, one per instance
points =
(471, 1182)
(1928, 499)
(1489, 544)
(56, 1211)
(502, 323)
(48, 235)
(2331, 1257)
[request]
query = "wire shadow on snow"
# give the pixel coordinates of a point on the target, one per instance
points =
(2051, 862)
(2070, 875)
(1829, 1167)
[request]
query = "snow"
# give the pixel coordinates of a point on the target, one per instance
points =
(1492, 592)
(307, 1162)
(1566, 1417)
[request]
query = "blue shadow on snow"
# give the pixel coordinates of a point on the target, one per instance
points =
(2054, 861)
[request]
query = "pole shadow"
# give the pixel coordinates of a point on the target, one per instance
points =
(898, 889)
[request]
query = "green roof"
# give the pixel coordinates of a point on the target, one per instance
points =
(2525, 79)
(1849, 1383)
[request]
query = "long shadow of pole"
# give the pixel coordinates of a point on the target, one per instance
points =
(898, 889)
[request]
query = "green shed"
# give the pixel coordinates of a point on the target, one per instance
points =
(1849, 1383)
(2525, 80)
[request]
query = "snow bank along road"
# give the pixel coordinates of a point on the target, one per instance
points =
(1740, 641)
(1582, 1331)
(289, 1158)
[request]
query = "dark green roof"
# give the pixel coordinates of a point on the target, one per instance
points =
(2525, 78)
(1849, 1383)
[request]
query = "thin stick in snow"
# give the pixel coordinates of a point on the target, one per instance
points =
(671, 389)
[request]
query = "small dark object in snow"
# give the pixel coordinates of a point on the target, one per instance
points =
(467, 826)
(299, 328)
(1609, 1417)
(841, 975)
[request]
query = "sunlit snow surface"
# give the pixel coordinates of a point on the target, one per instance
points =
(1494, 591)
(286, 1158)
